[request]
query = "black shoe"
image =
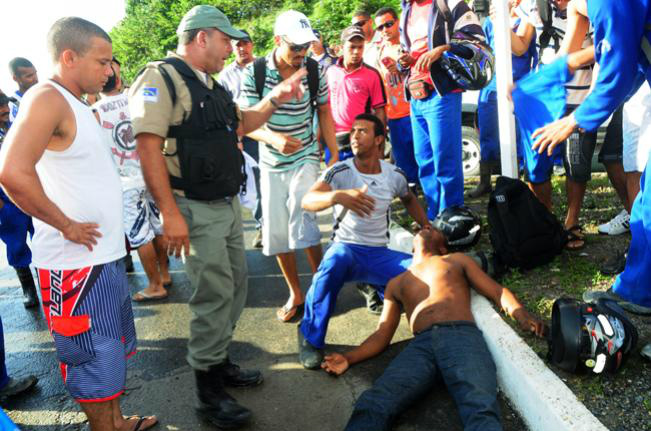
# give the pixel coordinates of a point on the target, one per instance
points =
(17, 386)
(374, 304)
(309, 356)
(233, 375)
(30, 297)
(615, 264)
(128, 263)
(257, 240)
(215, 405)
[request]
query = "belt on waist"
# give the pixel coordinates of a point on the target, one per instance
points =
(451, 323)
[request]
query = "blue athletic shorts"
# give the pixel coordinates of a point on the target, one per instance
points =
(89, 315)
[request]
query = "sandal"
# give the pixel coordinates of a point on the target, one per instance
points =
(574, 236)
(141, 420)
(143, 296)
(287, 314)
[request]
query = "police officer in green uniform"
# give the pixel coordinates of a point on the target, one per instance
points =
(186, 128)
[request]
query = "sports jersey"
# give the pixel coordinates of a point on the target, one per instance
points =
(370, 230)
(115, 120)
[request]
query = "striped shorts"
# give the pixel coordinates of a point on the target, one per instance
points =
(89, 315)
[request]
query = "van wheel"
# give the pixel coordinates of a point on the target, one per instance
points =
(470, 153)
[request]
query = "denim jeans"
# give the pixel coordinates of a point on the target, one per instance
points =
(453, 351)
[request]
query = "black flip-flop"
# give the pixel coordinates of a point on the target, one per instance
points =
(141, 420)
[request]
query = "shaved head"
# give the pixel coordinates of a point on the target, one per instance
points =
(74, 34)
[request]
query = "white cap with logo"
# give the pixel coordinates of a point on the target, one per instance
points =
(295, 27)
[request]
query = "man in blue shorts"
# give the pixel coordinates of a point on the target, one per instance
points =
(360, 190)
(56, 167)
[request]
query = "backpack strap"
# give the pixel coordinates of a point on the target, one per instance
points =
(312, 67)
(548, 32)
(259, 74)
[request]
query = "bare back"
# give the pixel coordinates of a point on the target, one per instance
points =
(433, 291)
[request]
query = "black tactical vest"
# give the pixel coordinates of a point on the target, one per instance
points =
(212, 167)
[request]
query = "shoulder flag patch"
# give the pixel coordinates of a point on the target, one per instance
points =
(150, 94)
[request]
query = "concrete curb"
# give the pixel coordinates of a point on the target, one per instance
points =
(543, 400)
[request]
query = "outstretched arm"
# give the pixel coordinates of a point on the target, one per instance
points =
(415, 210)
(376, 343)
(291, 88)
(500, 295)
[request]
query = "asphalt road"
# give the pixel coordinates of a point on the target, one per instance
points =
(160, 382)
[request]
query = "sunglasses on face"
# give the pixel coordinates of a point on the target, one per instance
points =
(360, 23)
(386, 25)
(297, 48)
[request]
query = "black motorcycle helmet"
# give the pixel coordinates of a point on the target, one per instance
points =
(460, 226)
(586, 336)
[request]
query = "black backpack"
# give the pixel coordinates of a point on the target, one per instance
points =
(312, 66)
(523, 233)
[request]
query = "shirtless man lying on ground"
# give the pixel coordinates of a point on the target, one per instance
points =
(435, 294)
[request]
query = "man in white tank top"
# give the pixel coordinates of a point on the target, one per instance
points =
(54, 166)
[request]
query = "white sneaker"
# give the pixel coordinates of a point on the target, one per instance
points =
(617, 226)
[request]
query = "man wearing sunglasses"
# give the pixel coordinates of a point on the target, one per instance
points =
(364, 21)
(289, 156)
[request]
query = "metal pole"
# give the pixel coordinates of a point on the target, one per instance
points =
(508, 149)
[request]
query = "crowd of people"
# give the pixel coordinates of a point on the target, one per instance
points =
(93, 168)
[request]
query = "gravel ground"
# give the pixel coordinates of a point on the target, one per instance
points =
(622, 401)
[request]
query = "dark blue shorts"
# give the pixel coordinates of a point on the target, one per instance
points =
(89, 315)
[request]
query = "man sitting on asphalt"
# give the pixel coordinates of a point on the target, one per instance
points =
(360, 190)
(435, 295)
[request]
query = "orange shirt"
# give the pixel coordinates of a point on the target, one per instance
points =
(397, 105)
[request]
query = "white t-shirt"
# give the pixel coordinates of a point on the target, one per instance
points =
(370, 230)
(115, 120)
(579, 87)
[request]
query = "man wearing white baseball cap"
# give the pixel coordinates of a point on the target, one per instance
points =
(289, 162)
